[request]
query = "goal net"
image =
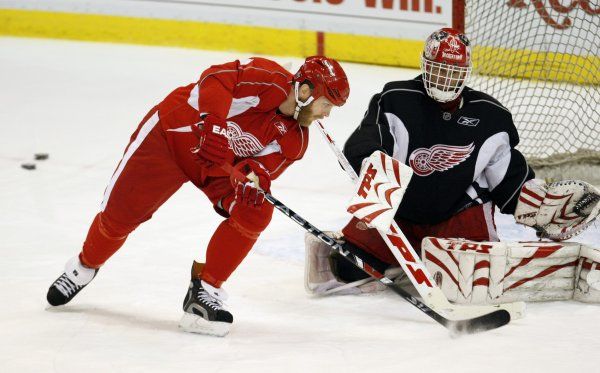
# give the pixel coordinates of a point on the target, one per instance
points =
(541, 59)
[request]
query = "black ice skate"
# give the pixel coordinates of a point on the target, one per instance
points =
(75, 278)
(203, 310)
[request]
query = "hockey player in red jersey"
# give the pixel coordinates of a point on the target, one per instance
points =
(251, 114)
(460, 144)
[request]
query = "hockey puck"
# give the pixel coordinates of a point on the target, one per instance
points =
(28, 166)
(41, 156)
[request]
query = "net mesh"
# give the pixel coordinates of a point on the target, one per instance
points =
(541, 60)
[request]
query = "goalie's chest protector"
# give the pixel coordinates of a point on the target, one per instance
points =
(448, 151)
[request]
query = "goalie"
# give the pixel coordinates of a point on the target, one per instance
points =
(460, 144)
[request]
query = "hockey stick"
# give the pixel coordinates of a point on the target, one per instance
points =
(481, 323)
(415, 269)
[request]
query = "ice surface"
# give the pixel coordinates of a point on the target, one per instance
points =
(80, 102)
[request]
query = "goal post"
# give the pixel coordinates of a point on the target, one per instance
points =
(541, 59)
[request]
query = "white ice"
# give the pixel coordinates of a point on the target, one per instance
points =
(80, 102)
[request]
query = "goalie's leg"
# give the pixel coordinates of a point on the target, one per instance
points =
(328, 272)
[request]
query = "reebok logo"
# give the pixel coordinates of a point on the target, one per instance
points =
(466, 121)
(281, 128)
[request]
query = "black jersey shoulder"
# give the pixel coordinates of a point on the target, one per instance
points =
(402, 93)
(409, 87)
(488, 102)
(499, 118)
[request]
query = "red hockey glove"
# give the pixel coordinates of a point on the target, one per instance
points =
(213, 146)
(250, 190)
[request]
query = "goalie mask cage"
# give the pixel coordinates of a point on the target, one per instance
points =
(540, 59)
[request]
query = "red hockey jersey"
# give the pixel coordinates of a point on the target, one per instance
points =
(247, 95)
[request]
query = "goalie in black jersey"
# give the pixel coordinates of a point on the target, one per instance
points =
(460, 144)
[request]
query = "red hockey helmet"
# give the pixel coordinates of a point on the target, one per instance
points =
(326, 78)
(446, 64)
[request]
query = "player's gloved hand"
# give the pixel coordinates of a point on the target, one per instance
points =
(250, 190)
(213, 145)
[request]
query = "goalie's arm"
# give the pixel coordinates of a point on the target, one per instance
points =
(506, 193)
(371, 135)
(507, 170)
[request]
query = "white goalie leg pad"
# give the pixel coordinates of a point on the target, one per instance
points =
(499, 272)
(587, 282)
(320, 280)
(318, 277)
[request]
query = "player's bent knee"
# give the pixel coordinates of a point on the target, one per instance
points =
(113, 229)
(252, 219)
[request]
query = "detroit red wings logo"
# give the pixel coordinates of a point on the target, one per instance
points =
(242, 143)
(439, 158)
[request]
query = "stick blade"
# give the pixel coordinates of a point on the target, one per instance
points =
(492, 320)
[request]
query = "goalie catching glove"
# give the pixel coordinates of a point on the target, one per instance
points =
(558, 210)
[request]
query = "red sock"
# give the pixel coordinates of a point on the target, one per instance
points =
(227, 248)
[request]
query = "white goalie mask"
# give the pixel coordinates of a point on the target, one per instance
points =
(446, 64)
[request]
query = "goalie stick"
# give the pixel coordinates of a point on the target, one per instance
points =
(489, 321)
(414, 268)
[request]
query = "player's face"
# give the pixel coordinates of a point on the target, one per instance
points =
(318, 109)
(446, 77)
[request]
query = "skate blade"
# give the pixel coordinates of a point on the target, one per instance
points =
(195, 324)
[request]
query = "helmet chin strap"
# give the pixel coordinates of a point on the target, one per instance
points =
(300, 104)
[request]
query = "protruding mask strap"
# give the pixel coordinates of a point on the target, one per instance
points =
(300, 104)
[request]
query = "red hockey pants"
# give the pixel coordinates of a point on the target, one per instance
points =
(146, 177)
(475, 223)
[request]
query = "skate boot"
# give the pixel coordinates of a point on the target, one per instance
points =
(75, 278)
(203, 308)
